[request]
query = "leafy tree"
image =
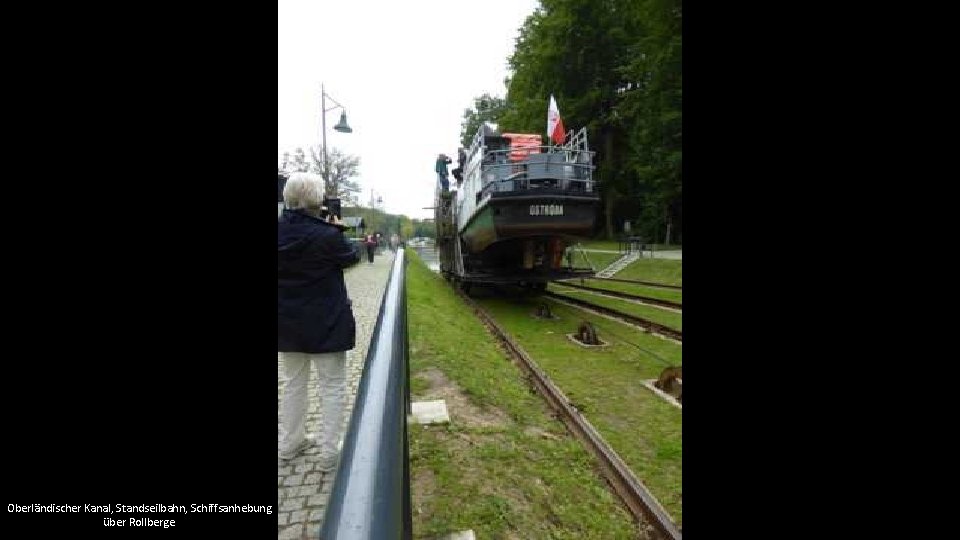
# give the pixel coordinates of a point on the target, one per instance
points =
(486, 108)
(615, 67)
(406, 227)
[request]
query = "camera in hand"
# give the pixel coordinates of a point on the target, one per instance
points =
(331, 207)
(281, 183)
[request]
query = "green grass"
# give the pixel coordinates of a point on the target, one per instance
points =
(666, 271)
(652, 292)
(605, 384)
(599, 261)
(615, 245)
(671, 319)
(612, 245)
(523, 478)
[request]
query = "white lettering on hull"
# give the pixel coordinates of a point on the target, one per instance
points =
(546, 209)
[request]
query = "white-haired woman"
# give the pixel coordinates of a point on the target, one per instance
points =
(315, 323)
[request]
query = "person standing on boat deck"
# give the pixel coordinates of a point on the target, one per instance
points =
(461, 161)
(442, 174)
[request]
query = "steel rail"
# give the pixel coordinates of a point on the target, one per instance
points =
(627, 296)
(626, 317)
(644, 507)
(648, 283)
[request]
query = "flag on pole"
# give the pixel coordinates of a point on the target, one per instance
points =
(554, 123)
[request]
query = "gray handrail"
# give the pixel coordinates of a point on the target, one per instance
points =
(371, 495)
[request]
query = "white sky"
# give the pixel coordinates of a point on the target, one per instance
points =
(404, 71)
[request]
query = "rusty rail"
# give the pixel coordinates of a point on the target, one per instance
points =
(648, 283)
(639, 501)
(656, 328)
(627, 296)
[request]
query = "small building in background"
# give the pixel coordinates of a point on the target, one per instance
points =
(355, 225)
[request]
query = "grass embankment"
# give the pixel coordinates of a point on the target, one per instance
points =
(605, 384)
(615, 245)
(666, 271)
(631, 288)
(503, 467)
(590, 259)
(665, 317)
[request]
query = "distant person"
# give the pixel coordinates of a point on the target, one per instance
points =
(370, 242)
(315, 323)
(442, 174)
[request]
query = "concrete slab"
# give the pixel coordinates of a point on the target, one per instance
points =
(430, 412)
(460, 535)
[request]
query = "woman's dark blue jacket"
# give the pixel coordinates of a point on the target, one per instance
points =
(313, 311)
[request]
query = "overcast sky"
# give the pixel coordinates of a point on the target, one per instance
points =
(404, 71)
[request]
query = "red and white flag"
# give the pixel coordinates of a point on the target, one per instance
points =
(554, 123)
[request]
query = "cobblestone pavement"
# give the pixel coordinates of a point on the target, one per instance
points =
(302, 490)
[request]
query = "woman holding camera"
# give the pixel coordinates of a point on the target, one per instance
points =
(315, 323)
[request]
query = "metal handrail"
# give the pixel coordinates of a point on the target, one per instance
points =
(517, 169)
(371, 494)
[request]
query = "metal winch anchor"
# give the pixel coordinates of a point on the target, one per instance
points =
(671, 382)
(587, 334)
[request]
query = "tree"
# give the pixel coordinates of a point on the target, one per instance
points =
(295, 163)
(406, 227)
(343, 167)
(615, 67)
(486, 108)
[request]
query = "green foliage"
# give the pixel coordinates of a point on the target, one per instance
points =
(406, 227)
(377, 220)
(666, 271)
(522, 476)
(615, 67)
(605, 384)
(486, 108)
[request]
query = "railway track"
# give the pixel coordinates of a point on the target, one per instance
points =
(627, 296)
(648, 283)
(636, 497)
(626, 317)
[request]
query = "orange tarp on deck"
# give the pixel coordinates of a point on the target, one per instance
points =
(522, 145)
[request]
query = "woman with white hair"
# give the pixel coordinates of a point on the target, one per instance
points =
(315, 324)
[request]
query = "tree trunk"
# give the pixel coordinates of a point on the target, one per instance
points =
(608, 210)
(611, 192)
(669, 225)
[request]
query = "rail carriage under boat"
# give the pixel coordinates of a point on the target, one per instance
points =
(520, 206)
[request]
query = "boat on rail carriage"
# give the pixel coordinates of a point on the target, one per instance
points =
(520, 205)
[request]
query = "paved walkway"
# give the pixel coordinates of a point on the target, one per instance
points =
(302, 490)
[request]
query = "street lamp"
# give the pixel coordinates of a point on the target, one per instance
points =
(341, 126)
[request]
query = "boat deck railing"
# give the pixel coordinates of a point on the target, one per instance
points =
(538, 167)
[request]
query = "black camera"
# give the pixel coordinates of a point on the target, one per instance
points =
(331, 207)
(281, 183)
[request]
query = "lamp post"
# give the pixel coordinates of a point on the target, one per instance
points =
(341, 126)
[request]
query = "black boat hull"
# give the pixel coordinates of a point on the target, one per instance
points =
(504, 218)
